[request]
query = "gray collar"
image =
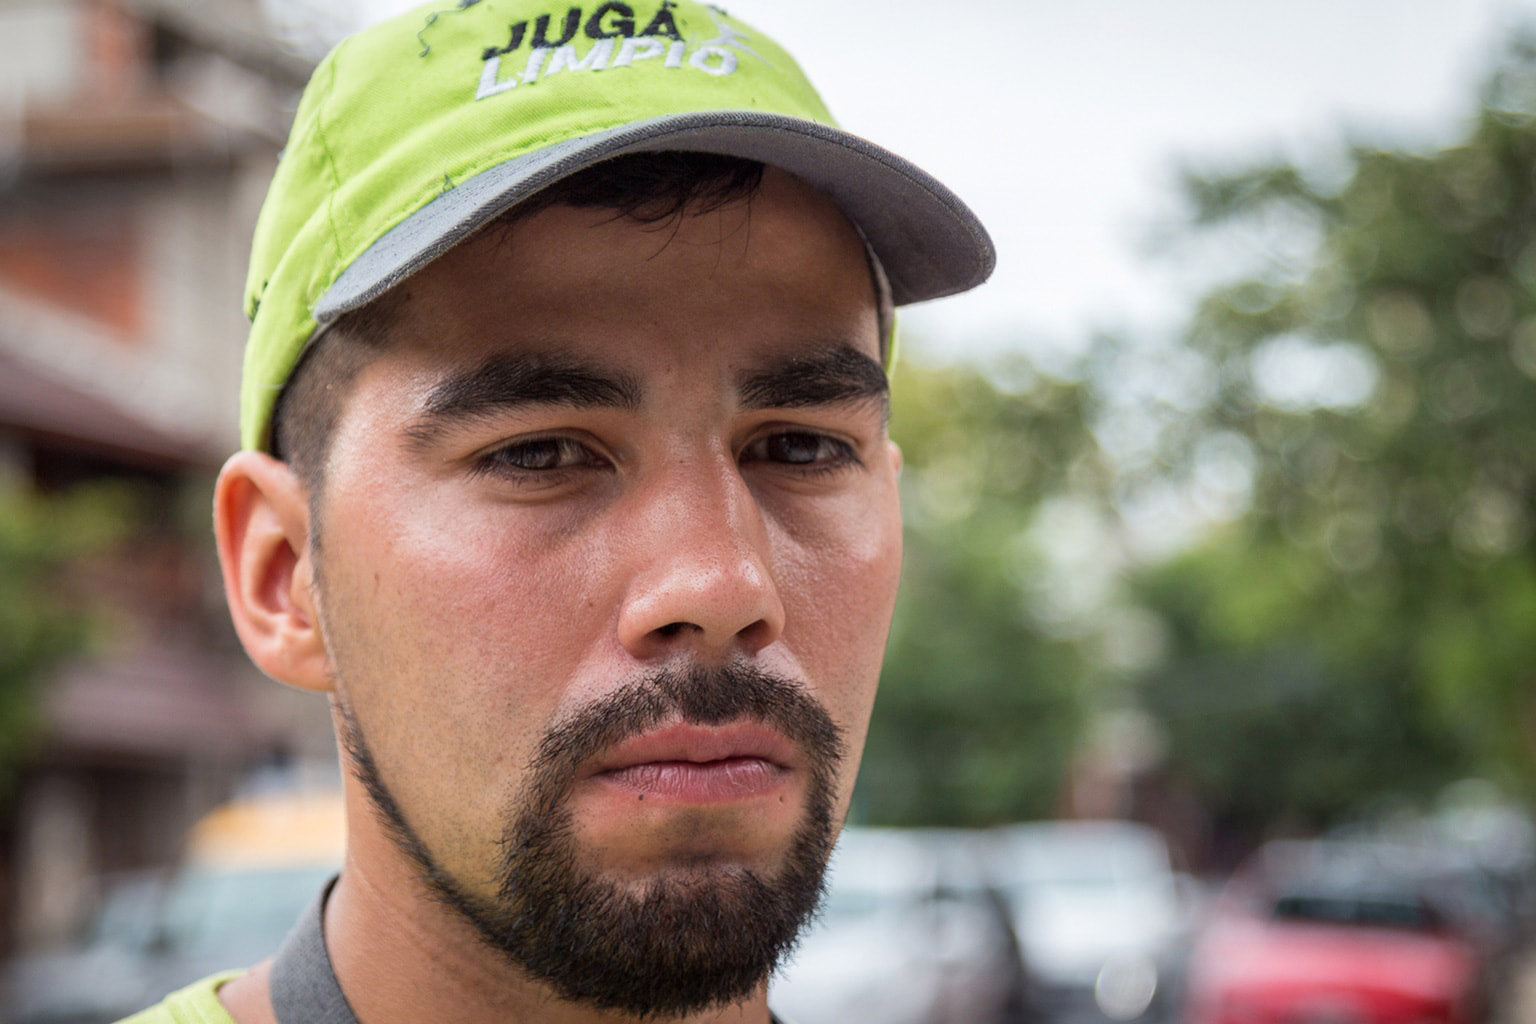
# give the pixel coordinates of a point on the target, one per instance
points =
(304, 986)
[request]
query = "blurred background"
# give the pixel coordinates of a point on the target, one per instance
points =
(1212, 691)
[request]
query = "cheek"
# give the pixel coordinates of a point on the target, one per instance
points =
(453, 630)
(839, 586)
(484, 584)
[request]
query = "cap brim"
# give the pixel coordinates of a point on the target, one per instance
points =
(928, 242)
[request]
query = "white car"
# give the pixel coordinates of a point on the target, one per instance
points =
(1100, 917)
(909, 934)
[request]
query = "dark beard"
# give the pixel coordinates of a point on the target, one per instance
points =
(701, 937)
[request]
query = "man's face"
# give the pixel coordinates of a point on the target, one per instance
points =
(610, 534)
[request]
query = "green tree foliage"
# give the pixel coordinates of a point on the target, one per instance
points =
(1370, 628)
(41, 620)
(980, 703)
(1286, 699)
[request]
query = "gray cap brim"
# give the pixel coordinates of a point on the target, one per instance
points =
(928, 242)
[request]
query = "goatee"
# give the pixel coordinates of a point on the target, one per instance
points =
(703, 936)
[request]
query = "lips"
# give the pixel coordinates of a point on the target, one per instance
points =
(698, 764)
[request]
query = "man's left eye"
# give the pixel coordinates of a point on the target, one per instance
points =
(800, 448)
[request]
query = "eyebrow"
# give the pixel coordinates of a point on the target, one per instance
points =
(838, 374)
(506, 382)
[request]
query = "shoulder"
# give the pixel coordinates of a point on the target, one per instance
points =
(198, 1003)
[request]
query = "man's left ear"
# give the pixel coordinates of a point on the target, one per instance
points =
(261, 522)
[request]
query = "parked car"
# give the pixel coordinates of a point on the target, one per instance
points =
(1340, 932)
(250, 869)
(1100, 915)
(1480, 875)
(910, 933)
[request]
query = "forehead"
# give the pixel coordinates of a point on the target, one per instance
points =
(782, 269)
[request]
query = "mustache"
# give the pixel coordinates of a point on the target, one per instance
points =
(699, 695)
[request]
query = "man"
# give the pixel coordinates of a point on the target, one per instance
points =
(566, 478)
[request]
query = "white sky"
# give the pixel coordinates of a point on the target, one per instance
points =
(1061, 121)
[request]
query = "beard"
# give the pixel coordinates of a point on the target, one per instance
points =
(682, 941)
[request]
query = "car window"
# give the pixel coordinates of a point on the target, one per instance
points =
(1410, 915)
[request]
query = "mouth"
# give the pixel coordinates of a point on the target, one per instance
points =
(693, 764)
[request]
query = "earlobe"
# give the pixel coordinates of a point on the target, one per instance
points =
(261, 522)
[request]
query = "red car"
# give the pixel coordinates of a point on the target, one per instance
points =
(1333, 934)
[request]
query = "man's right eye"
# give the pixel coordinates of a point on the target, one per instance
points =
(538, 455)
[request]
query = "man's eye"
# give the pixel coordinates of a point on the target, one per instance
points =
(798, 448)
(539, 455)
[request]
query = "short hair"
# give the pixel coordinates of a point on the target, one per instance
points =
(650, 188)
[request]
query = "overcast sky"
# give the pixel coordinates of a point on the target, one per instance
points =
(1061, 121)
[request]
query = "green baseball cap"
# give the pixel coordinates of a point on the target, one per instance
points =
(414, 133)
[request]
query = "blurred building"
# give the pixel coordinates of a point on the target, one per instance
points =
(136, 138)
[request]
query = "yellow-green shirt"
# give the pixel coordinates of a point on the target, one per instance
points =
(198, 1003)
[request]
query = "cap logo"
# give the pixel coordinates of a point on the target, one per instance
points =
(615, 43)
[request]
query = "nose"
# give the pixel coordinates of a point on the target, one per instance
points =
(703, 579)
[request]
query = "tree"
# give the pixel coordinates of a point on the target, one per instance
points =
(1370, 627)
(980, 701)
(41, 621)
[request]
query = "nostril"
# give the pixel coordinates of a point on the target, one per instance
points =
(708, 608)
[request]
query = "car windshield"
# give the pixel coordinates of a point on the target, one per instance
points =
(127, 913)
(1066, 870)
(208, 903)
(1086, 857)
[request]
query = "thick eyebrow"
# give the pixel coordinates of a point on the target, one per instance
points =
(829, 377)
(506, 382)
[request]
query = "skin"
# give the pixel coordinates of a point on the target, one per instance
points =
(484, 574)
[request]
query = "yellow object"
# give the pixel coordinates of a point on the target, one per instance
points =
(280, 830)
(198, 1003)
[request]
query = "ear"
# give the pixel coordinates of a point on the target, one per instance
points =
(261, 522)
